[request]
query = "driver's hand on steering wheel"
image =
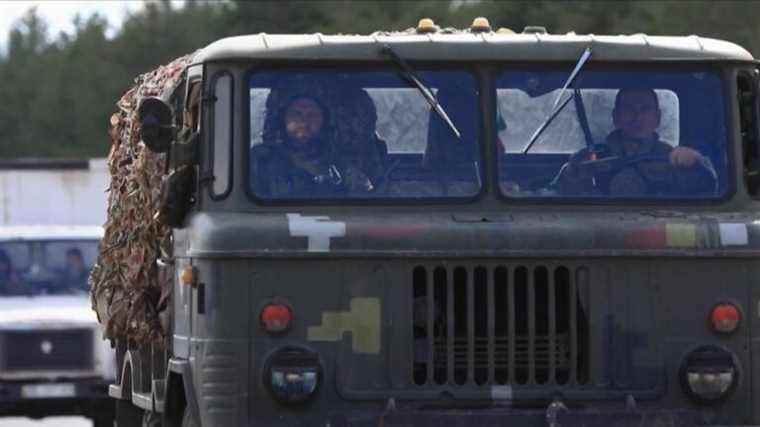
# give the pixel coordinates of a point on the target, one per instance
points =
(684, 157)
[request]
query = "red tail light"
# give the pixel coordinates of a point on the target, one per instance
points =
(725, 318)
(276, 318)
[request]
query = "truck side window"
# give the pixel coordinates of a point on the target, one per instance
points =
(193, 107)
(748, 116)
(221, 141)
(177, 102)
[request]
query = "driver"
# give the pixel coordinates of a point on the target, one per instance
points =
(75, 273)
(664, 170)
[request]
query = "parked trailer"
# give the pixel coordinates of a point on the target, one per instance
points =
(53, 192)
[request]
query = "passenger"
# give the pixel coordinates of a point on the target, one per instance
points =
(295, 157)
(444, 149)
(454, 160)
(75, 273)
(360, 153)
(10, 284)
(646, 164)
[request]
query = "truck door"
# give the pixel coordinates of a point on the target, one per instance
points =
(184, 303)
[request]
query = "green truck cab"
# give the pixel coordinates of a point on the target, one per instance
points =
(460, 227)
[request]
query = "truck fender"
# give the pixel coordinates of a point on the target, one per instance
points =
(122, 390)
(134, 381)
(180, 380)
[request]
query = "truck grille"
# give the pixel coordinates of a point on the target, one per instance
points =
(499, 324)
(46, 350)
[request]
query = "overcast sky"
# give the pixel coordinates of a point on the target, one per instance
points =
(59, 13)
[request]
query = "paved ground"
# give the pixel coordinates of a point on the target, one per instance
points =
(45, 422)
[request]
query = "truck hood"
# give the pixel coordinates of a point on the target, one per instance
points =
(53, 311)
(466, 234)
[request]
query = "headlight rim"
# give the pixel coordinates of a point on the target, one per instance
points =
(683, 375)
(270, 359)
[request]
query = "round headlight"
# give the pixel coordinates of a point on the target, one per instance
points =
(709, 374)
(293, 374)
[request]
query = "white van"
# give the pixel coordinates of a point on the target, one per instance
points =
(53, 360)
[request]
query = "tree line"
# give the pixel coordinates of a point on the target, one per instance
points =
(58, 91)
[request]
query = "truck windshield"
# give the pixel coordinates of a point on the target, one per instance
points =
(352, 134)
(623, 135)
(46, 267)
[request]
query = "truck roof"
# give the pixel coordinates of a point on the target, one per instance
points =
(50, 232)
(468, 46)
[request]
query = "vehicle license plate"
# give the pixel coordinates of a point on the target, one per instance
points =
(36, 391)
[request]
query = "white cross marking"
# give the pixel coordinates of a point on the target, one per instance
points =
(317, 229)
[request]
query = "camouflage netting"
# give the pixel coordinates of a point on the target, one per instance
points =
(127, 290)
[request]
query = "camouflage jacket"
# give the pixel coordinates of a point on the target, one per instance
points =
(282, 171)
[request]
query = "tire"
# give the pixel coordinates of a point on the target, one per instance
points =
(104, 415)
(103, 421)
(188, 420)
(151, 419)
(127, 414)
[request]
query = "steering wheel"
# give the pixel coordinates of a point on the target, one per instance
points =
(611, 163)
(623, 173)
(630, 180)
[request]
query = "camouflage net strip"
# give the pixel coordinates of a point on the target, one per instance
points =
(126, 289)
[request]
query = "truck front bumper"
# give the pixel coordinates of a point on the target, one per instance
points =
(87, 397)
(514, 417)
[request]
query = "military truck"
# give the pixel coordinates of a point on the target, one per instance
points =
(422, 262)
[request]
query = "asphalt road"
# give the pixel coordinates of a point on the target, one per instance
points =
(45, 422)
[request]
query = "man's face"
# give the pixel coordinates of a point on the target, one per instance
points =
(637, 114)
(74, 262)
(303, 120)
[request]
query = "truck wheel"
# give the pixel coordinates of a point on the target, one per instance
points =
(127, 414)
(151, 419)
(104, 414)
(103, 421)
(188, 420)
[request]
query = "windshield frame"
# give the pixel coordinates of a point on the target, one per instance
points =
(723, 70)
(480, 83)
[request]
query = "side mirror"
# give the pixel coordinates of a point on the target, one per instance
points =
(156, 128)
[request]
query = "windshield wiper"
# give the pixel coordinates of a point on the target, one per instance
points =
(558, 107)
(409, 74)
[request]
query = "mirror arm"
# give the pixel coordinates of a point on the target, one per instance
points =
(206, 177)
(184, 150)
